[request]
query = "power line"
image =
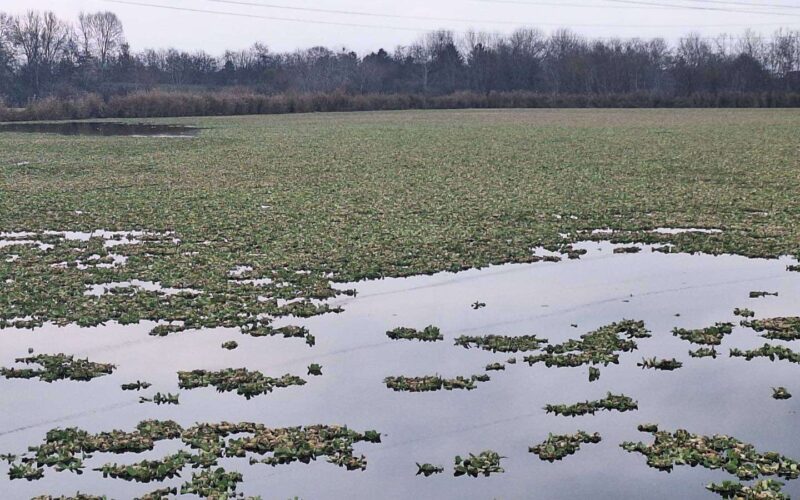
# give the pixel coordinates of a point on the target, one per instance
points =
(459, 20)
(748, 4)
(697, 7)
(337, 23)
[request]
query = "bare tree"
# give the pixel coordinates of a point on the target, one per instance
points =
(101, 35)
(40, 38)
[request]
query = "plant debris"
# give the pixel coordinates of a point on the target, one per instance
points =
(660, 364)
(136, 386)
(758, 295)
(315, 369)
(501, 343)
(620, 403)
(230, 345)
(787, 329)
(556, 447)
(428, 470)
(429, 334)
(711, 335)
(58, 367)
(704, 352)
(433, 383)
(245, 382)
(486, 463)
(780, 393)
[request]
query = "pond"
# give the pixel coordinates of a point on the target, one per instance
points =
(102, 129)
(557, 301)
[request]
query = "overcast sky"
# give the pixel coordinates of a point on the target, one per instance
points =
(152, 27)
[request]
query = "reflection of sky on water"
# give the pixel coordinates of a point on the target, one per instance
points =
(706, 396)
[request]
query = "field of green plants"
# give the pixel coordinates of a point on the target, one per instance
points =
(257, 219)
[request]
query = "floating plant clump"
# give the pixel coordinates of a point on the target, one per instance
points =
(776, 328)
(793, 268)
(704, 352)
(230, 345)
(246, 383)
(159, 494)
(315, 369)
(744, 312)
(136, 386)
(711, 335)
(715, 452)
(594, 374)
(556, 447)
(495, 367)
(478, 305)
(428, 470)
(660, 364)
(627, 250)
(484, 464)
(66, 450)
(766, 489)
(161, 399)
(501, 343)
(611, 402)
(758, 295)
(601, 346)
(780, 393)
(772, 352)
(216, 483)
(76, 496)
(429, 334)
(58, 367)
(433, 383)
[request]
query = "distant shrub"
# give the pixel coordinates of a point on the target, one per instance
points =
(242, 101)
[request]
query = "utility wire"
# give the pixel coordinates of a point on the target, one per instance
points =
(698, 7)
(461, 20)
(348, 24)
(748, 4)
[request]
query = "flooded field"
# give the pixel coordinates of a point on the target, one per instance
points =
(554, 301)
(106, 129)
(387, 304)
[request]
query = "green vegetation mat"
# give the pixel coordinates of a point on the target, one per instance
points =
(296, 200)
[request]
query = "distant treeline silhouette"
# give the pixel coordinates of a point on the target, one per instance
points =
(53, 69)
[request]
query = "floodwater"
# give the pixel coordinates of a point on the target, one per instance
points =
(707, 396)
(102, 128)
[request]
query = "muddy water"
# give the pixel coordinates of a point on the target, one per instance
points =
(706, 396)
(101, 128)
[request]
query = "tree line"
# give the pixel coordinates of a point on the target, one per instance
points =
(43, 56)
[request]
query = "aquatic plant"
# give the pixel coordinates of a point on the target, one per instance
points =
(161, 399)
(485, 463)
(230, 345)
(65, 449)
(148, 471)
(315, 369)
(601, 346)
(136, 386)
(758, 295)
(501, 343)
(216, 483)
(766, 489)
(478, 305)
(433, 383)
(428, 470)
(495, 367)
(776, 328)
(556, 447)
(160, 494)
(594, 374)
(245, 382)
(704, 352)
(58, 367)
(660, 364)
(772, 352)
(711, 335)
(743, 312)
(715, 452)
(429, 334)
(793, 267)
(611, 402)
(627, 250)
(76, 496)
(780, 393)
